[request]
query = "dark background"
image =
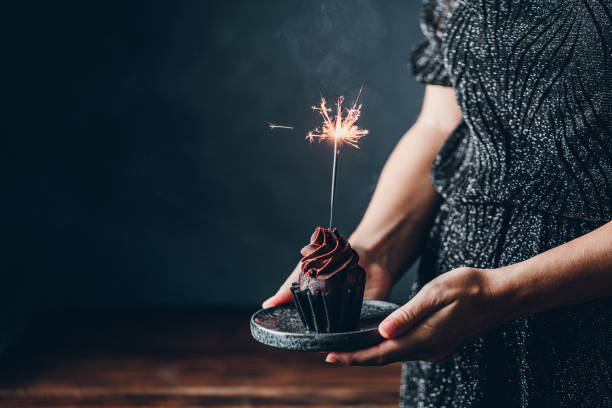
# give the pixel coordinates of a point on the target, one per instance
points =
(140, 169)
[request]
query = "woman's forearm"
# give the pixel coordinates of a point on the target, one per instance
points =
(403, 202)
(576, 271)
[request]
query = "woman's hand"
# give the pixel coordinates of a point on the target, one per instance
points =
(378, 282)
(445, 314)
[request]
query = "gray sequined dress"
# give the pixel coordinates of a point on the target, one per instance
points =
(528, 168)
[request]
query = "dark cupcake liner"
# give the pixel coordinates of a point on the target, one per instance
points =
(328, 312)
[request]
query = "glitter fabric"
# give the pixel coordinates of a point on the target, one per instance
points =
(528, 168)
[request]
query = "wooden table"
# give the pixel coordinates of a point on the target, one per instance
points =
(177, 358)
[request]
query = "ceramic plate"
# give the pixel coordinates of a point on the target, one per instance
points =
(280, 326)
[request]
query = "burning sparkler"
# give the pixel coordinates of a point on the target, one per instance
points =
(341, 130)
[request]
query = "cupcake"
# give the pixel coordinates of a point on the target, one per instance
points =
(329, 293)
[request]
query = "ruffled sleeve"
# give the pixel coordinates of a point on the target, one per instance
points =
(426, 60)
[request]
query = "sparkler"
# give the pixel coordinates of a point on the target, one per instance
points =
(341, 129)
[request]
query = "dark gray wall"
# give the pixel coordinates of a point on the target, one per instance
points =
(140, 167)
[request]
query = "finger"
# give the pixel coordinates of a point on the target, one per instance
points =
(411, 346)
(278, 299)
(381, 354)
(283, 295)
(425, 302)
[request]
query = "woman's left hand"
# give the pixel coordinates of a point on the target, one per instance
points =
(446, 313)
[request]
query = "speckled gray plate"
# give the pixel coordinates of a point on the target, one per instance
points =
(280, 326)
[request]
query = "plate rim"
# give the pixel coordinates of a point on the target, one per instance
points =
(315, 334)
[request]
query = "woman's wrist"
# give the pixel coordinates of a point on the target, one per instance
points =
(521, 290)
(372, 254)
(393, 244)
(506, 297)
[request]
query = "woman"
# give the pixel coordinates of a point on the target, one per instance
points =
(512, 305)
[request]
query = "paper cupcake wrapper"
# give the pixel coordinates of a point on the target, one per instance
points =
(329, 312)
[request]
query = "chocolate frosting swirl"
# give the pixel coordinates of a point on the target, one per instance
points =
(329, 262)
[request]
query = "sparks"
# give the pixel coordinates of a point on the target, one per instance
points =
(338, 128)
(274, 126)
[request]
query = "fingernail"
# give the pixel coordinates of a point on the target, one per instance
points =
(387, 327)
(331, 359)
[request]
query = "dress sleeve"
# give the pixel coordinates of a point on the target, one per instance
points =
(426, 60)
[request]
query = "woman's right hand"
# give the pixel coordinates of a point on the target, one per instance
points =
(378, 282)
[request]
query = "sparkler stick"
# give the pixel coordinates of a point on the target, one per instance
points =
(341, 130)
(333, 185)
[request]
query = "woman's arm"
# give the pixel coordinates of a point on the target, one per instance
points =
(464, 303)
(403, 200)
(573, 272)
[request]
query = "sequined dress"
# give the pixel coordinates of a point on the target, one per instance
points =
(528, 168)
